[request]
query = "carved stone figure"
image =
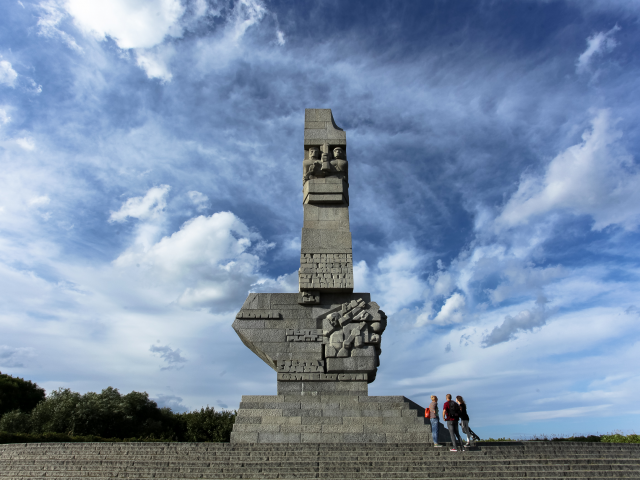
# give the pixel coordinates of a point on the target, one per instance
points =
(339, 164)
(326, 166)
(310, 164)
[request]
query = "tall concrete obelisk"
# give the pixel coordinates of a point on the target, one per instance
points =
(326, 263)
(323, 342)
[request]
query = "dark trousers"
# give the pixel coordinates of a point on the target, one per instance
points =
(453, 433)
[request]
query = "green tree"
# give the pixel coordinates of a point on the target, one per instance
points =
(111, 415)
(207, 425)
(18, 394)
(55, 413)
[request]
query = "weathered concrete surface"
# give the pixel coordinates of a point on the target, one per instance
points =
(302, 460)
(331, 417)
(331, 334)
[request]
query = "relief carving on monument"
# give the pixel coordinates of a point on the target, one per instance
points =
(334, 165)
(352, 328)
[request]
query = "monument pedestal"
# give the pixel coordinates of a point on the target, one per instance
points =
(331, 418)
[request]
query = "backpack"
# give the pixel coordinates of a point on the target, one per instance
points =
(454, 410)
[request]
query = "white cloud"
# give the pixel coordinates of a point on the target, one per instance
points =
(155, 62)
(144, 208)
(596, 177)
(218, 50)
(131, 24)
(280, 37)
(4, 117)
(145, 26)
(525, 320)
(452, 311)
(200, 8)
(597, 44)
(14, 357)
(442, 283)
(48, 24)
(521, 278)
(40, 201)
(287, 283)
(200, 200)
(7, 74)
(26, 143)
(246, 13)
(207, 262)
(395, 281)
(360, 276)
(34, 87)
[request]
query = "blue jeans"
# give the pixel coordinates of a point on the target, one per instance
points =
(435, 425)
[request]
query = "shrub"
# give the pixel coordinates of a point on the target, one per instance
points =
(15, 421)
(619, 438)
(207, 425)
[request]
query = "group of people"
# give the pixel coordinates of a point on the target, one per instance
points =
(452, 412)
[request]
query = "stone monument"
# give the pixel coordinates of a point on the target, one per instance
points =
(323, 342)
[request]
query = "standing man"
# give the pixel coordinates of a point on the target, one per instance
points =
(433, 419)
(450, 414)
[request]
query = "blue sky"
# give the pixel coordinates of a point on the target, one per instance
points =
(151, 159)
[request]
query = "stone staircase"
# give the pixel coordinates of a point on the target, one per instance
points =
(331, 419)
(542, 460)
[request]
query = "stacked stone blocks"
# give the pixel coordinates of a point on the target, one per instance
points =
(326, 271)
(331, 418)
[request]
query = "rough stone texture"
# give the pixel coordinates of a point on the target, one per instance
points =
(320, 128)
(351, 364)
(326, 206)
(323, 190)
(338, 412)
(297, 338)
(302, 458)
(316, 238)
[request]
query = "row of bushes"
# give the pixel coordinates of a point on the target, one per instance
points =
(609, 438)
(106, 415)
(63, 438)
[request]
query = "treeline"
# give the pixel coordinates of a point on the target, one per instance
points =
(25, 410)
(617, 437)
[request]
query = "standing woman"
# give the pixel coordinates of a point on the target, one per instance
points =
(434, 419)
(464, 419)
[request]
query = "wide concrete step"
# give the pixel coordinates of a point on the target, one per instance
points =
(319, 466)
(544, 460)
(334, 476)
(480, 455)
(585, 476)
(308, 449)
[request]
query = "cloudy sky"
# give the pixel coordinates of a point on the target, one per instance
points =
(150, 155)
